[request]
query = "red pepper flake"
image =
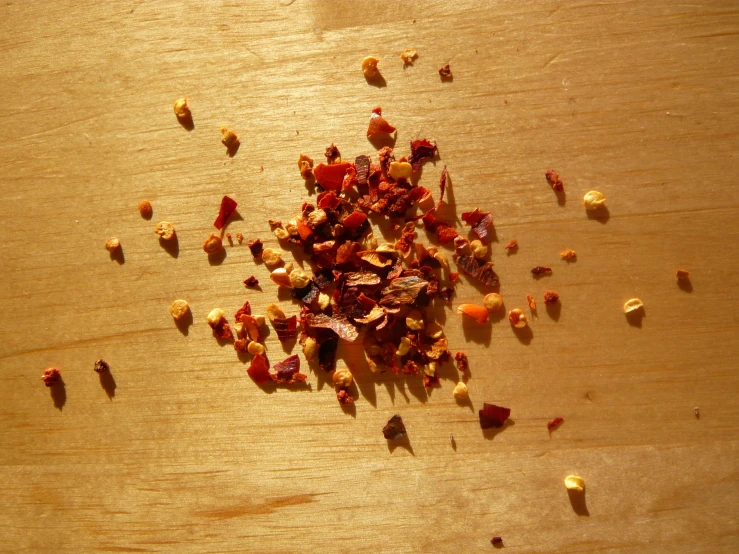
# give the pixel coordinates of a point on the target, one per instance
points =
(445, 72)
(222, 330)
(422, 150)
(327, 354)
(442, 186)
(354, 220)
(362, 169)
(483, 272)
(378, 125)
(51, 376)
(532, 302)
(243, 310)
(239, 237)
(454, 276)
(259, 369)
(331, 177)
(395, 429)
(479, 221)
(344, 397)
(555, 423)
(328, 200)
(541, 270)
(251, 281)
(228, 207)
(493, 416)
(462, 362)
(256, 247)
(554, 181)
(342, 327)
(332, 154)
(101, 366)
(275, 223)
(287, 371)
(286, 327)
(430, 380)
(513, 245)
(550, 297)
(496, 541)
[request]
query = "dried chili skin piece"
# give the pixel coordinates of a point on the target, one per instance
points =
(362, 168)
(493, 416)
(531, 301)
(256, 248)
(243, 310)
(554, 181)
(324, 278)
(479, 221)
(421, 150)
(285, 327)
(541, 270)
(287, 371)
(258, 370)
(512, 245)
(496, 540)
(482, 272)
(51, 376)
(445, 72)
(222, 330)
(327, 354)
(395, 429)
(555, 423)
(331, 177)
(332, 153)
(378, 125)
(403, 290)
(101, 366)
(342, 327)
(251, 281)
(228, 207)
(462, 363)
(306, 294)
(550, 297)
(344, 397)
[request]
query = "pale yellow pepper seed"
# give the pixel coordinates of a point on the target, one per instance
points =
(574, 483)
(310, 349)
(112, 244)
(271, 257)
(400, 170)
(213, 244)
(299, 279)
(493, 301)
(255, 348)
(181, 109)
(518, 318)
(594, 200)
(434, 330)
(165, 230)
(404, 346)
(343, 378)
(275, 312)
(215, 316)
(632, 305)
(460, 392)
(414, 321)
(280, 277)
(479, 250)
(369, 67)
(281, 234)
(179, 309)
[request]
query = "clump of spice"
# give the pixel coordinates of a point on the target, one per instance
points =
(496, 541)
(568, 255)
(112, 244)
(445, 72)
(101, 366)
(251, 281)
(370, 67)
(550, 297)
(378, 125)
(165, 230)
(332, 154)
(408, 56)
(394, 429)
(256, 247)
(51, 376)
(145, 209)
(554, 181)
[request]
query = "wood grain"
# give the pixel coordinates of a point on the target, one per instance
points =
(636, 99)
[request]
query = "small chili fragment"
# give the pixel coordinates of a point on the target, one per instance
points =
(493, 416)
(408, 56)
(478, 313)
(394, 429)
(332, 154)
(228, 207)
(369, 67)
(51, 376)
(378, 125)
(165, 230)
(554, 181)
(682, 274)
(344, 397)
(101, 366)
(550, 297)
(239, 238)
(541, 270)
(112, 244)
(555, 423)
(517, 318)
(230, 140)
(496, 541)
(445, 72)
(259, 369)
(462, 362)
(145, 209)
(251, 281)
(568, 255)
(256, 247)
(213, 244)
(532, 302)
(513, 245)
(287, 371)
(305, 165)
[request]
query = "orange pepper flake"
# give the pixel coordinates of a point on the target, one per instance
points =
(532, 302)
(478, 313)
(550, 297)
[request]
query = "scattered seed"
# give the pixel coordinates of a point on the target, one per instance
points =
(554, 181)
(408, 56)
(182, 110)
(179, 309)
(271, 257)
(632, 305)
(517, 318)
(594, 200)
(101, 366)
(369, 67)
(493, 301)
(574, 483)
(460, 392)
(145, 209)
(112, 244)
(165, 230)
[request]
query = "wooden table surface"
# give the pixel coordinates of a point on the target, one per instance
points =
(639, 100)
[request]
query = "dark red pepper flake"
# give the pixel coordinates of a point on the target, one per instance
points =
(343, 328)
(483, 272)
(394, 429)
(430, 381)
(285, 327)
(228, 207)
(332, 154)
(275, 223)
(445, 72)
(541, 270)
(256, 248)
(323, 278)
(555, 423)
(243, 310)
(222, 331)
(101, 366)
(493, 416)
(513, 245)
(344, 397)
(51, 376)
(496, 541)
(287, 371)
(362, 169)
(251, 281)
(421, 150)
(479, 221)
(462, 362)
(240, 345)
(403, 290)
(258, 370)
(328, 200)
(307, 294)
(454, 276)
(327, 354)
(550, 297)
(554, 181)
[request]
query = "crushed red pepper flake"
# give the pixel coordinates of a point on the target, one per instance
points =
(496, 541)
(251, 281)
(493, 416)
(554, 181)
(101, 366)
(285, 327)
(513, 245)
(555, 423)
(479, 221)
(445, 72)
(394, 429)
(473, 267)
(51, 376)
(532, 302)
(550, 297)
(228, 207)
(462, 362)
(332, 154)
(258, 370)
(287, 371)
(378, 125)
(222, 330)
(256, 247)
(344, 397)
(422, 150)
(540, 270)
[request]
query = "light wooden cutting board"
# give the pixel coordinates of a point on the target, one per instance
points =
(639, 100)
